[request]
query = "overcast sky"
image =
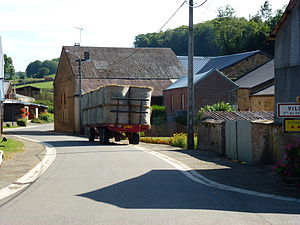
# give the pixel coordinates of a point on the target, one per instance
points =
(37, 29)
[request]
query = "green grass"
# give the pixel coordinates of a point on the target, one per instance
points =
(42, 85)
(10, 147)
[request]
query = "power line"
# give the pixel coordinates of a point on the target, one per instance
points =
(134, 52)
(198, 5)
(171, 16)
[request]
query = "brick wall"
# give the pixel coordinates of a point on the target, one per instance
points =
(214, 88)
(175, 100)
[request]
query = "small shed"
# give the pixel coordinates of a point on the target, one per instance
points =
(209, 88)
(231, 134)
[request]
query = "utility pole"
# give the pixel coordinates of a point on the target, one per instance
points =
(85, 59)
(190, 116)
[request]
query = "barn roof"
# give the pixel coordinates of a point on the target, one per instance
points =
(238, 115)
(183, 81)
(204, 64)
(258, 76)
(125, 63)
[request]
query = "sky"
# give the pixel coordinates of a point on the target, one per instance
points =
(37, 29)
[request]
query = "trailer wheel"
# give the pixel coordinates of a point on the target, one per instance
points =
(104, 135)
(92, 134)
(134, 138)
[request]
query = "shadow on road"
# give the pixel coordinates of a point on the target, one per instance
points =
(161, 189)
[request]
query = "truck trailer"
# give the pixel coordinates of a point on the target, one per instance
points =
(116, 111)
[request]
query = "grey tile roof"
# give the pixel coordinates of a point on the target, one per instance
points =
(222, 62)
(267, 91)
(258, 76)
(183, 81)
(238, 115)
(125, 63)
(203, 64)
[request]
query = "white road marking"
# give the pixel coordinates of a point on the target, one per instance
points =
(193, 175)
(33, 174)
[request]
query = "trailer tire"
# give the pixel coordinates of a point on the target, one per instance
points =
(134, 139)
(104, 135)
(92, 134)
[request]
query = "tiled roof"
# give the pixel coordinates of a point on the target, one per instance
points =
(238, 115)
(125, 63)
(183, 81)
(258, 76)
(222, 62)
(204, 64)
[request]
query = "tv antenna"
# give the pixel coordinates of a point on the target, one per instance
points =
(80, 29)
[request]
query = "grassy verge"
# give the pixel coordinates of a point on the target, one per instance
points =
(10, 147)
(177, 140)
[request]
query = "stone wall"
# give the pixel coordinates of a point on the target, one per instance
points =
(211, 137)
(165, 130)
(247, 65)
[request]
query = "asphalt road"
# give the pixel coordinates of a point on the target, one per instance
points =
(118, 184)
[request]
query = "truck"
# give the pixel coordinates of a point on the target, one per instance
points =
(116, 111)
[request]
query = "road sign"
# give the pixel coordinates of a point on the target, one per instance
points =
(288, 110)
(291, 125)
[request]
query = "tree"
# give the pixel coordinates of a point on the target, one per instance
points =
(33, 68)
(266, 11)
(9, 70)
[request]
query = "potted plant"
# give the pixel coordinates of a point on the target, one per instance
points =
(288, 168)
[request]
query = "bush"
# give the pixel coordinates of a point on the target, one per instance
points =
(47, 117)
(220, 106)
(158, 115)
(22, 122)
(179, 140)
(289, 166)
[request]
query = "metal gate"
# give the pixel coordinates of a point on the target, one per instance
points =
(238, 140)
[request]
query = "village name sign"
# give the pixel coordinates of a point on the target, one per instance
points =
(289, 110)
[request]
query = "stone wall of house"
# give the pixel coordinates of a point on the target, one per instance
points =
(64, 100)
(211, 137)
(246, 66)
(243, 100)
(262, 103)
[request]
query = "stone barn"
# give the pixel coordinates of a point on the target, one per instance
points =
(151, 67)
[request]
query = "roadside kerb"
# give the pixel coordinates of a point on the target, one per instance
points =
(195, 176)
(33, 174)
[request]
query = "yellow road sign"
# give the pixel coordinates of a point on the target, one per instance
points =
(291, 125)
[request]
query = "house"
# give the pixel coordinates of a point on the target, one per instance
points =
(287, 55)
(209, 87)
(233, 66)
(15, 109)
(28, 91)
(154, 67)
(256, 89)
(8, 90)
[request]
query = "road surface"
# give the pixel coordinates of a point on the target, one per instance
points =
(118, 184)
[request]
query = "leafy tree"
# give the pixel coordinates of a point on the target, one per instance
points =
(33, 68)
(9, 70)
(42, 72)
(226, 34)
